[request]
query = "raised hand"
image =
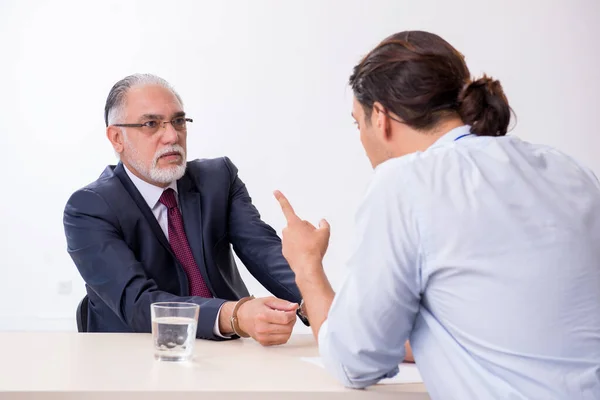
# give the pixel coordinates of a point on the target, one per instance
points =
(304, 245)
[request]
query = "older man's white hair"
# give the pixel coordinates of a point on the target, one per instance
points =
(113, 110)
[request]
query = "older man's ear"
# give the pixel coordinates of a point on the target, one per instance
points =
(115, 135)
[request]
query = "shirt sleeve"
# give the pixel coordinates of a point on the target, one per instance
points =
(372, 314)
(216, 329)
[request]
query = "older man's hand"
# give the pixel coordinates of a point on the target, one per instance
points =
(268, 320)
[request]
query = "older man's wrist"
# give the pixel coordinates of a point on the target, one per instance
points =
(224, 318)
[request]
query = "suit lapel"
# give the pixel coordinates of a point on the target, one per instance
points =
(191, 210)
(143, 206)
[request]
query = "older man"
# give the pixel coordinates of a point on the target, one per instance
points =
(155, 228)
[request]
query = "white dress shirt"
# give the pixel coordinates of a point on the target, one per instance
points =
(485, 252)
(152, 194)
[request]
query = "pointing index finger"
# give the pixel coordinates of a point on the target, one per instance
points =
(286, 207)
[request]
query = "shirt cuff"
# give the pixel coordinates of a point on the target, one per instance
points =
(334, 365)
(216, 330)
(330, 360)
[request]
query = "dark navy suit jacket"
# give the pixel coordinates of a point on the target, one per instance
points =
(127, 263)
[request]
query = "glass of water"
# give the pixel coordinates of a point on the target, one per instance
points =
(174, 330)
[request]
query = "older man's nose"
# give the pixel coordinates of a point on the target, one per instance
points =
(170, 134)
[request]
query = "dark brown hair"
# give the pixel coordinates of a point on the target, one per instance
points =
(423, 79)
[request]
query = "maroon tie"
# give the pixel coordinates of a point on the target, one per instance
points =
(181, 247)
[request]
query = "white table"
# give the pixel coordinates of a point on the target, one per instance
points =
(65, 365)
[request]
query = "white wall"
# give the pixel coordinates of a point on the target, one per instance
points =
(265, 82)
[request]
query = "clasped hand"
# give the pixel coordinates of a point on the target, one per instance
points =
(268, 320)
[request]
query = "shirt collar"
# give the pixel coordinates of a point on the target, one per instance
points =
(453, 135)
(149, 192)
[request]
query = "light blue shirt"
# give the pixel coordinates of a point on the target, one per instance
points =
(485, 253)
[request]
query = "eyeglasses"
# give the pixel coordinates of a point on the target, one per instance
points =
(152, 126)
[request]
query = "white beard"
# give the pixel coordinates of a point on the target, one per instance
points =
(156, 174)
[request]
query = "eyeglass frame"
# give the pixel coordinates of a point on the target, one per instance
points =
(162, 123)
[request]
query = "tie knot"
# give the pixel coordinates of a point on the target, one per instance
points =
(168, 198)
